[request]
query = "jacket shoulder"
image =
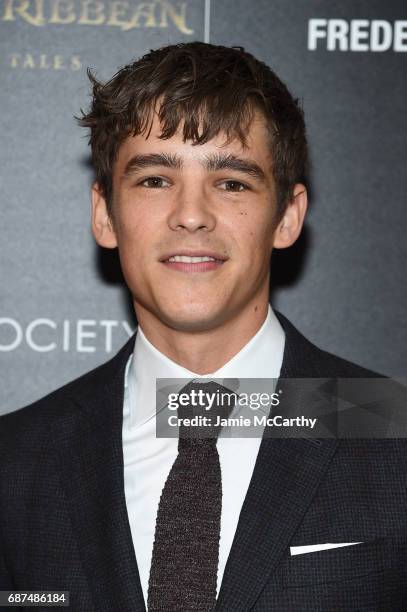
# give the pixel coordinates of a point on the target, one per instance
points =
(303, 358)
(345, 369)
(38, 416)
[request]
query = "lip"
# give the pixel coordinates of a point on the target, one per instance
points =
(192, 268)
(193, 253)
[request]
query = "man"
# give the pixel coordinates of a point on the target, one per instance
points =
(199, 154)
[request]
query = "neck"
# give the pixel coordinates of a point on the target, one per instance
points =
(204, 351)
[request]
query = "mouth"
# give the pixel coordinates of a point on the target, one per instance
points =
(188, 261)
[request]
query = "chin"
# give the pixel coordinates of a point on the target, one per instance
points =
(193, 319)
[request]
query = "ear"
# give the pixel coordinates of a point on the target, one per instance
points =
(102, 224)
(290, 226)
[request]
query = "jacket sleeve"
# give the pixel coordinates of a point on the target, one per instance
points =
(6, 583)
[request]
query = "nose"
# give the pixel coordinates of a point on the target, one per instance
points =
(191, 211)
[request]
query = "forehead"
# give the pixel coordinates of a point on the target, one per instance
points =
(257, 145)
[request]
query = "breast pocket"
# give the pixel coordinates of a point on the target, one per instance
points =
(345, 562)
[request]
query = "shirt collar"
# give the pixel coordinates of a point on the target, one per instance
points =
(261, 357)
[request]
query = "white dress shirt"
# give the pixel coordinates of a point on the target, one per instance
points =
(148, 459)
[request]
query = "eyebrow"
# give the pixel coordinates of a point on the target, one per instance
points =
(221, 161)
(213, 163)
(139, 162)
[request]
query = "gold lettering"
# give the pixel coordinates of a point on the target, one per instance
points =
(118, 10)
(14, 59)
(92, 13)
(22, 9)
(58, 62)
(145, 10)
(28, 61)
(76, 63)
(62, 11)
(8, 14)
(167, 9)
(152, 14)
(43, 62)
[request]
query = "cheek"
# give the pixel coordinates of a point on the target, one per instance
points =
(254, 232)
(136, 230)
(133, 248)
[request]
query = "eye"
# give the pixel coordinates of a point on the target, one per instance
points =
(234, 186)
(154, 182)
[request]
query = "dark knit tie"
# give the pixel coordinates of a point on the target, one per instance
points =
(183, 574)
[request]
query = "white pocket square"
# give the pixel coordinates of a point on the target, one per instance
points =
(301, 550)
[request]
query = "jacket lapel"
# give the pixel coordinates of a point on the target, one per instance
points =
(285, 479)
(89, 443)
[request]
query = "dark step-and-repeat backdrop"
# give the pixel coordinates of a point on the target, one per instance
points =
(63, 307)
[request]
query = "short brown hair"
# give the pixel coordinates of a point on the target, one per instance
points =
(212, 89)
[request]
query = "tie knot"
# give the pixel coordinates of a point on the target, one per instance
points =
(204, 405)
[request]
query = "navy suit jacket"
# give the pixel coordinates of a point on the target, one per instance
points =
(64, 523)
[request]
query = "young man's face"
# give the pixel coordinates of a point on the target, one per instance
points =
(174, 199)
